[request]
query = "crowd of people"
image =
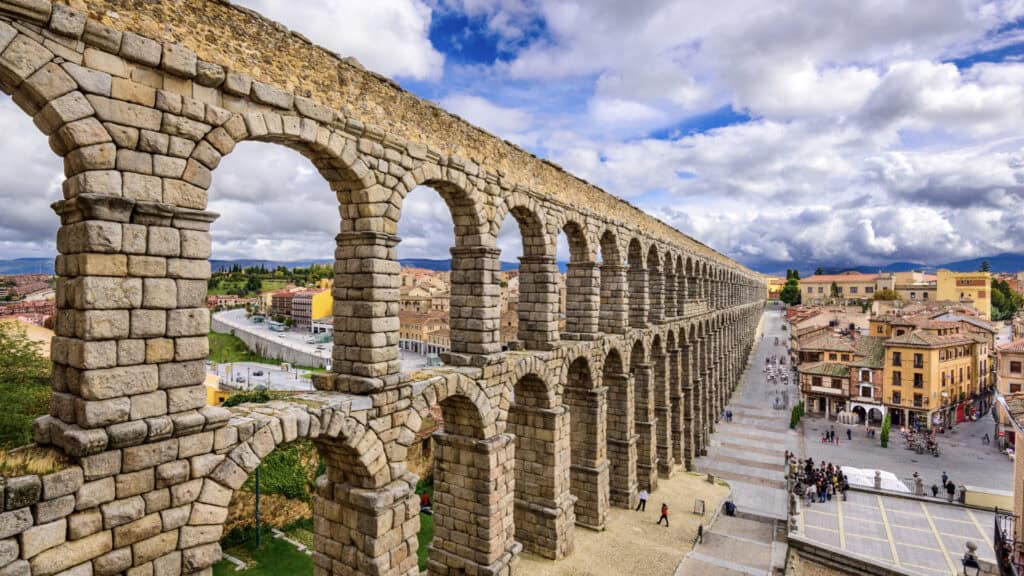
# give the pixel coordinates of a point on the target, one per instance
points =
(817, 483)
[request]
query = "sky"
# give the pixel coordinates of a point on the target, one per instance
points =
(792, 131)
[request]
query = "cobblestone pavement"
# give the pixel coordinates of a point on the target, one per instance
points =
(962, 455)
(748, 453)
(927, 538)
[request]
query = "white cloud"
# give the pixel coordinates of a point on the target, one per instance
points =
(388, 36)
(502, 121)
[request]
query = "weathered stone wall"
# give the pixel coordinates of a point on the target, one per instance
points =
(143, 100)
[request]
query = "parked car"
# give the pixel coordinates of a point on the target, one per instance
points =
(258, 373)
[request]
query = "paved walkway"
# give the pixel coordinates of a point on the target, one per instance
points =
(924, 537)
(748, 453)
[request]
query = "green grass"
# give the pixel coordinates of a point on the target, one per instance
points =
(273, 558)
(226, 287)
(426, 534)
(229, 348)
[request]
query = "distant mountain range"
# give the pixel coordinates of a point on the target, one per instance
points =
(1000, 263)
(1006, 262)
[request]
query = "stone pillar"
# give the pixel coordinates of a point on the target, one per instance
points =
(538, 302)
(583, 309)
(475, 313)
(671, 301)
(366, 531)
(544, 515)
(366, 301)
(663, 417)
(131, 325)
(474, 529)
(656, 302)
(703, 385)
(637, 297)
(690, 418)
(622, 441)
(590, 469)
(678, 424)
(646, 428)
(614, 299)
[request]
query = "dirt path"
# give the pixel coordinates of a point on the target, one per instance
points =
(633, 544)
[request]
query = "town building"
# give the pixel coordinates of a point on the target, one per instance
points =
(774, 285)
(310, 305)
(281, 303)
(911, 286)
(974, 288)
(424, 332)
(1009, 381)
(930, 373)
(841, 372)
(817, 289)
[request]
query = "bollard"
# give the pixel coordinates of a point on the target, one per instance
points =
(878, 480)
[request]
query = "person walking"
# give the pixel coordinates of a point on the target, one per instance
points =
(641, 506)
(845, 486)
(935, 490)
(849, 434)
(664, 514)
(950, 491)
(945, 478)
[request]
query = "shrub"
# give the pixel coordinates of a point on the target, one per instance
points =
(886, 424)
(796, 414)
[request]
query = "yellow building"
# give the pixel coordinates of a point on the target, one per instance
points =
(1009, 381)
(215, 394)
(930, 373)
(971, 287)
(774, 285)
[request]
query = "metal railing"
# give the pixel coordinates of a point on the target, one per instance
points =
(1008, 550)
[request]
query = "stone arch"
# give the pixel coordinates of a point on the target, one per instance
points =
(614, 300)
(356, 465)
(465, 201)
(655, 285)
(538, 289)
(471, 412)
(638, 287)
(582, 285)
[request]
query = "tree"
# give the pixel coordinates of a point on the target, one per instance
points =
(834, 290)
(253, 284)
(985, 266)
(887, 294)
(819, 271)
(886, 425)
(790, 292)
(24, 385)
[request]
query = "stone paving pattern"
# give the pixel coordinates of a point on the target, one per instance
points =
(924, 537)
(143, 100)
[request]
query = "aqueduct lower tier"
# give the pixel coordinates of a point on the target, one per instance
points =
(143, 100)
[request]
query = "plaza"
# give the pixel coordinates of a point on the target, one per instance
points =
(962, 455)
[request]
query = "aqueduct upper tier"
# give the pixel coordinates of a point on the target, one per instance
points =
(143, 100)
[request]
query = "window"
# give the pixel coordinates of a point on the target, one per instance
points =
(961, 374)
(821, 289)
(869, 289)
(924, 295)
(866, 392)
(831, 355)
(837, 383)
(853, 289)
(897, 359)
(880, 329)
(810, 289)
(1014, 387)
(815, 380)
(942, 354)
(846, 357)
(918, 360)
(1015, 367)
(918, 380)
(896, 398)
(896, 378)
(900, 332)
(918, 400)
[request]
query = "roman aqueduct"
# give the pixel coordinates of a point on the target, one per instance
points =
(143, 99)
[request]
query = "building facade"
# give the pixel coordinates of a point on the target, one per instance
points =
(817, 289)
(974, 288)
